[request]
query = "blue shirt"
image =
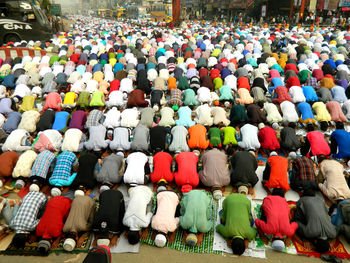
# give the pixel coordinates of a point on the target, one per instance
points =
(60, 122)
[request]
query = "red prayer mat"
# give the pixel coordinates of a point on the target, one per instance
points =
(307, 248)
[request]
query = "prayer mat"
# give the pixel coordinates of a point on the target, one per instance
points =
(256, 207)
(30, 248)
(307, 248)
(206, 246)
(255, 249)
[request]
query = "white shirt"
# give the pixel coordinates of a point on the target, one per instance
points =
(204, 115)
(21, 90)
(135, 171)
(203, 95)
(296, 93)
(129, 118)
(249, 135)
(136, 216)
(112, 119)
(289, 112)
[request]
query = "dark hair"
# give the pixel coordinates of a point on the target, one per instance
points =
(310, 127)
(308, 192)
(133, 237)
(339, 125)
(292, 125)
(321, 158)
(238, 246)
(278, 191)
(324, 125)
(230, 151)
(19, 240)
(322, 245)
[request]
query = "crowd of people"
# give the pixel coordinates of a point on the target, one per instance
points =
(190, 110)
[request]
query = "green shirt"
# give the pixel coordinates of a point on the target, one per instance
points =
(215, 136)
(236, 217)
(229, 135)
(96, 99)
(196, 212)
(189, 97)
(84, 99)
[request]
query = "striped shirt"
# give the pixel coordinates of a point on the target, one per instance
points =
(335, 110)
(26, 219)
(65, 162)
(42, 164)
(304, 168)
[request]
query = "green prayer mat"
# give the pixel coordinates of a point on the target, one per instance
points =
(207, 243)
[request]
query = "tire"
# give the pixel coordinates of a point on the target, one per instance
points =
(11, 38)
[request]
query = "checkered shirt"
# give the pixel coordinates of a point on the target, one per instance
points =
(84, 99)
(42, 164)
(26, 219)
(313, 83)
(175, 97)
(64, 164)
(304, 168)
(94, 118)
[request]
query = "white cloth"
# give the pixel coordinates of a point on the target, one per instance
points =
(297, 94)
(29, 121)
(121, 139)
(219, 116)
(203, 95)
(14, 141)
(71, 140)
(288, 111)
(135, 171)
(136, 216)
(22, 90)
(179, 139)
(204, 115)
(24, 164)
(167, 117)
(249, 136)
(129, 118)
(112, 118)
(116, 99)
(272, 112)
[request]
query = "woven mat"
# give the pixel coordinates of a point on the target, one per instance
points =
(30, 248)
(206, 245)
(307, 248)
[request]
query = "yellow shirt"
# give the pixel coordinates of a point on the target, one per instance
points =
(70, 98)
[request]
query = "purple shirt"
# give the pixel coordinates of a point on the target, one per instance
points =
(78, 120)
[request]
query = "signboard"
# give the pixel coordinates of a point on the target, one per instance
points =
(312, 6)
(344, 3)
(332, 5)
(55, 9)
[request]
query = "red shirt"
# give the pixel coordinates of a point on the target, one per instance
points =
(277, 222)
(162, 167)
(318, 144)
(52, 222)
(278, 174)
(268, 139)
(186, 175)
